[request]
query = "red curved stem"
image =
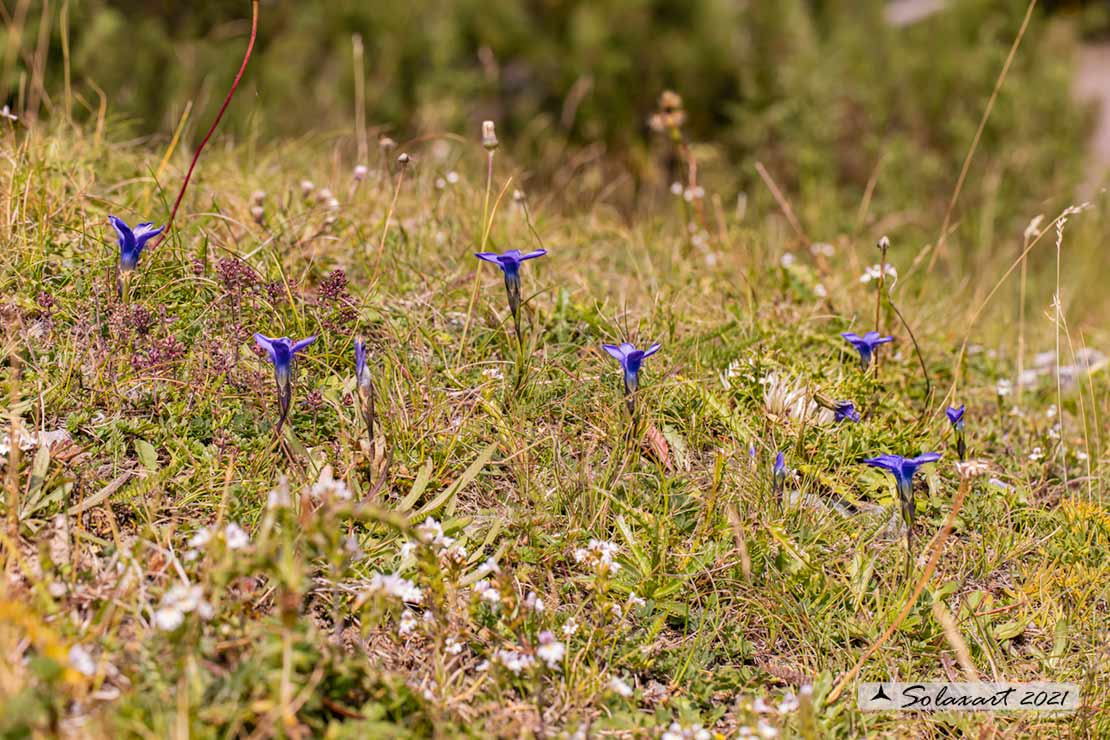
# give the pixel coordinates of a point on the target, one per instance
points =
(212, 129)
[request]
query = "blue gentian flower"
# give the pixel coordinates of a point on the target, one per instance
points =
(365, 387)
(866, 344)
(630, 359)
(132, 241)
(956, 417)
(845, 410)
(903, 469)
(778, 473)
(282, 351)
(510, 262)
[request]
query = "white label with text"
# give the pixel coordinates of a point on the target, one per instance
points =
(968, 697)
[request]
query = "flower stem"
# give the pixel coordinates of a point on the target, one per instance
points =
(215, 123)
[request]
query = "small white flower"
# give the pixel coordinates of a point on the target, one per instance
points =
(820, 291)
(452, 646)
(823, 249)
(1004, 387)
(534, 603)
(6, 112)
(1050, 412)
(619, 686)
(406, 549)
(788, 704)
(440, 183)
(453, 177)
(81, 661)
(676, 188)
(874, 272)
(634, 600)
(1036, 455)
(570, 626)
(396, 587)
(514, 661)
(327, 487)
(766, 730)
(407, 624)
(307, 186)
(1080, 455)
(168, 618)
(761, 706)
(201, 538)
(361, 171)
(490, 566)
(787, 259)
(236, 538)
(550, 651)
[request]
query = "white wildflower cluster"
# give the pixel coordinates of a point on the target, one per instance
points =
(514, 661)
(431, 534)
(395, 586)
(180, 600)
(681, 732)
(453, 646)
(570, 627)
(598, 555)
(874, 272)
(487, 592)
(1036, 455)
(327, 487)
(787, 705)
(1004, 388)
(550, 650)
(534, 603)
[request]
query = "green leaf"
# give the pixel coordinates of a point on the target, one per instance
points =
(148, 456)
(452, 490)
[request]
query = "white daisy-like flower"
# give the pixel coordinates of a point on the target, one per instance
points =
(1036, 455)
(570, 626)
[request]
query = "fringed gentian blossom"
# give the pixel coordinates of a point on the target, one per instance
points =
(630, 359)
(510, 262)
(956, 417)
(365, 388)
(282, 351)
(903, 469)
(845, 410)
(778, 474)
(866, 345)
(131, 243)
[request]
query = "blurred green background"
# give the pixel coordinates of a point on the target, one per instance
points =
(821, 91)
